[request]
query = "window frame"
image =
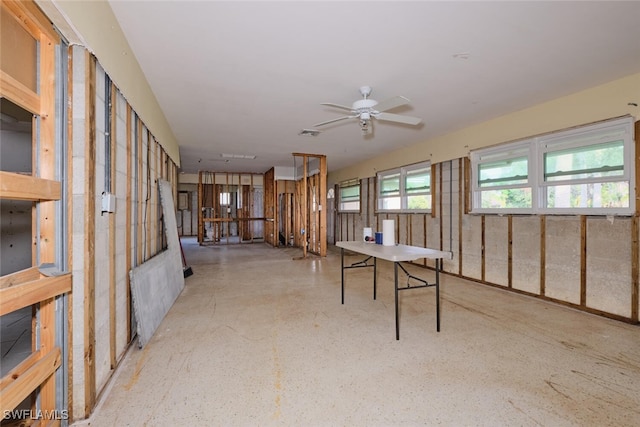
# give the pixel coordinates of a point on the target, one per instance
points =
(403, 193)
(350, 183)
(579, 138)
(496, 154)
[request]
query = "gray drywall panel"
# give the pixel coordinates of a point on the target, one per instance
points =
(156, 284)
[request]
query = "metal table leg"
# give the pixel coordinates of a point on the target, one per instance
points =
(395, 274)
(438, 267)
(342, 269)
(375, 276)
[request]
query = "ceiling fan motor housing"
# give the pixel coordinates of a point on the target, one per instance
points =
(363, 105)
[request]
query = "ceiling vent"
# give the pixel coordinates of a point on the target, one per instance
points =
(309, 132)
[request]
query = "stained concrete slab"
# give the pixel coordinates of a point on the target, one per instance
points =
(258, 338)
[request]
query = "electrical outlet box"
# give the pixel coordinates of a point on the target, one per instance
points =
(108, 202)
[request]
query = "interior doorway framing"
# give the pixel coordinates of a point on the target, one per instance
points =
(310, 222)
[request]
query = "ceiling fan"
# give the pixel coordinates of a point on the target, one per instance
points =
(366, 109)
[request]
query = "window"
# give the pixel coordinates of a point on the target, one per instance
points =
(349, 196)
(587, 170)
(405, 189)
(502, 180)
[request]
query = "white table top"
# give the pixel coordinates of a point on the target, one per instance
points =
(395, 253)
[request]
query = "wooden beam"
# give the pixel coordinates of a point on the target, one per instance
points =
(26, 294)
(112, 228)
(543, 256)
(70, 317)
(424, 230)
(22, 380)
(90, 236)
(304, 204)
(140, 179)
(32, 19)
(48, 244)
(323, 205)
(467, 185)
(19, 94)
(148, 227)
(635, 268)
(19, 277)
(462, 187)
(635, 237)
(583, 260)
(441, 217)
(482, 249)
(128, 231)
(433, 191)
(14, 186)
(510, 251)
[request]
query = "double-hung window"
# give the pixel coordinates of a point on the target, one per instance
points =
(586, 170)
(406, 189)
(349, 196)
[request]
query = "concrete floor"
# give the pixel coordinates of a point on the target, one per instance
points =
(257, 338)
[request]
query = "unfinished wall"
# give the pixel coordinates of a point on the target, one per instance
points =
(15, 215)
(590, 263)
(186, 215)
(111, 151)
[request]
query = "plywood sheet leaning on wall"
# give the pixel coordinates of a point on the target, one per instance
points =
(156, 283)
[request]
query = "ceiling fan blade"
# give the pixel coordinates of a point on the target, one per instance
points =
(334, 120)
(390, 117)
(342, 107)
(391, 103)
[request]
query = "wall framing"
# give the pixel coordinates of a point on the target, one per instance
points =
(35, 287)
(475, 241)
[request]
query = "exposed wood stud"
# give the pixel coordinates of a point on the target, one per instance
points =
(32, 292)
(140, 178)
(70, 317)
(37, 369)
(635, 267)
(635, 230)
(89, 234)
(510, 251)
(543, 256)
(482, 249)
(433, 191)
(46, 168)
(16, 186)
(441, 217)
(410, 230)
(129, 231)
(112, 230)
(22, 276)
(462, 185)
(583, 260)
(467, 184)
(424, 234)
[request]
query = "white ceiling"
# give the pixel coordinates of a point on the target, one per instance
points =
(246, 77)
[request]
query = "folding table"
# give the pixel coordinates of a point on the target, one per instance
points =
(395, 254)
